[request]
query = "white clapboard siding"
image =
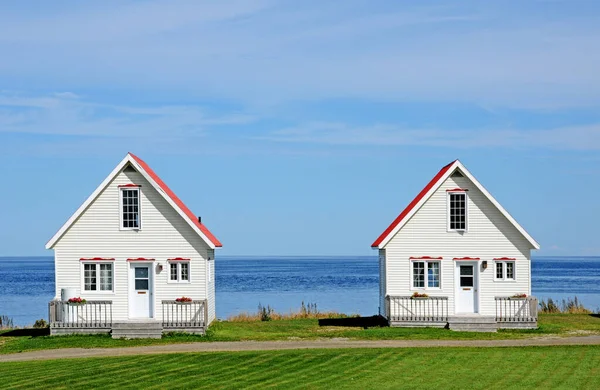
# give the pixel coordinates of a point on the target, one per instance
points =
(490, 235)
(164, 234)
(382, 282)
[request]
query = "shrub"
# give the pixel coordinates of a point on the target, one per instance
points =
(568, 306)
(6, 322)
(265, 312)
(40, 324)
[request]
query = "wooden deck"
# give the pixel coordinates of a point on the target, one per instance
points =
(96, 317)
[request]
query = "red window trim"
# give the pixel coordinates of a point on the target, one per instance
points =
(466, 258)
(129, 185)
(178, 259)
(140, 259)
(97, 259)
(426, 258)
(457, 190)
(505, 259)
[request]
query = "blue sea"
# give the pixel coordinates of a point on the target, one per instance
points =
(344, 284)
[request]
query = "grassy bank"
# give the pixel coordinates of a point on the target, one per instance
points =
(532, 367)
(303, 329)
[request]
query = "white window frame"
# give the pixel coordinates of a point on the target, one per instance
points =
(412, 281)
(138, 189)
(98, 284)
(504, 271)
(448, 194)
(179, 280)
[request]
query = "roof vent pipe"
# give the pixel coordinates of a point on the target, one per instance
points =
(200, 219)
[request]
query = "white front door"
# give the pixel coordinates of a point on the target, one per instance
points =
(140, 291)
(466, 294)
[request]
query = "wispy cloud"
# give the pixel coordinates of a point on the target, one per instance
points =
(567, 138)
(66, 114)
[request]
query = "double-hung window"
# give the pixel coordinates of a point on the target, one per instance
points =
(426, 274)
(179, 271)
(505, 270)
(457, 210)
(130, 208)
(97, 276)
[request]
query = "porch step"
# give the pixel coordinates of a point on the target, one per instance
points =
(137, 330)
(473, 324)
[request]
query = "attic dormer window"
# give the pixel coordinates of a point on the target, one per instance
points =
(130, 208)
(457, 210)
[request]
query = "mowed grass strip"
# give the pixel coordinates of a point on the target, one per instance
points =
(416, 368)
(307, 329)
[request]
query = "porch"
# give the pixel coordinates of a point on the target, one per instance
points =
(96, 317)
(511, 313)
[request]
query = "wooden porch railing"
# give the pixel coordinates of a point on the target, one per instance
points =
(91, 314)
(409, 309)
(516, 309)
(184, 315)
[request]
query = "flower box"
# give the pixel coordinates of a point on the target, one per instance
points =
(417, 295)
(183, 300)
(76, 301)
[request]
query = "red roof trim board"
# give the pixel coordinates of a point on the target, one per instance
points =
(193, 218)
(411, 205)
(457, 190)
(467, 258)
(140, 259)
(178, 259)
(426, 258)
(129, 185)
(505, 258)
(96, 258)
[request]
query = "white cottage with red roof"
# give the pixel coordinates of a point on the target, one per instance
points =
(133, 260)
(456, 256)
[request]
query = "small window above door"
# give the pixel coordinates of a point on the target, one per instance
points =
(130, 208)
(457, 211)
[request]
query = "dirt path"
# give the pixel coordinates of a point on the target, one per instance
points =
(288, 345)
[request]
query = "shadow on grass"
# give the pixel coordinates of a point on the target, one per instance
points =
(27, 332)
(358, 322)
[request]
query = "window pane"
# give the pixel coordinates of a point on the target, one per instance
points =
(418, 274)
(185, 268)
(89, 277)
(106, 277)
(173, 271)
(141, 272)
(466, 270)
(510, 270)
(466, 281)
(499, 272)
(433, 274)
(141, 284)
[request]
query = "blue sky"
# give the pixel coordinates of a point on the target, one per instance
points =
(300, 128)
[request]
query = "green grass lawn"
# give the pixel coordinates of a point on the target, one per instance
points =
(483, 368)
(305, 329)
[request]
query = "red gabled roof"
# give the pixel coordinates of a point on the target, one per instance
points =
(177, 201)
(411, 205)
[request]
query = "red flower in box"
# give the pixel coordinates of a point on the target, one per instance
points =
(183, 300)
(77, 300)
